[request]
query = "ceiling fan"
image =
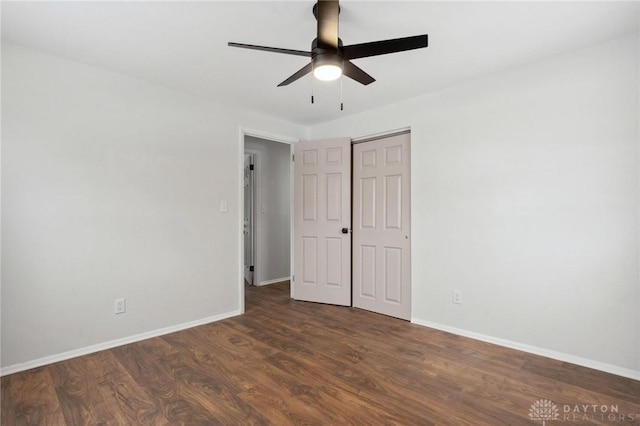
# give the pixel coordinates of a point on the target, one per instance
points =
(329, 58)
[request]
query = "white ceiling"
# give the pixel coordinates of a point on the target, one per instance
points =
(183, 45)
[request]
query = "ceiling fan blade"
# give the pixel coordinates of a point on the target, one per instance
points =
(355, 73)
(271, 49)
(328, 11)
(300, 73)
(383, 47)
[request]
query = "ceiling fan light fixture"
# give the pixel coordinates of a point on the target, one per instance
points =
(327, 72)
(327, 66)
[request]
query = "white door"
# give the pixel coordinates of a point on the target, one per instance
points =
(322, 219)
(381, 226)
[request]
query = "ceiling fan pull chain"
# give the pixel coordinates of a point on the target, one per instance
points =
(312, 85)
(341, 97)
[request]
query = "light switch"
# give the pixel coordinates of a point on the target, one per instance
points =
(224, 207)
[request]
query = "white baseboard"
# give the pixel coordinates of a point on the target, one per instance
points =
(277, 280)
(560, 356)
(112, 344)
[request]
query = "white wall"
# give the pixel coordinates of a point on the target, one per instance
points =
(273, 205)
(525, 196)
(111, 187)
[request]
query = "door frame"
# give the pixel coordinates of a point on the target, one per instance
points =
(243, 132)
(255, 159)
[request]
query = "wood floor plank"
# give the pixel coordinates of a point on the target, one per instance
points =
(286, 362)
(78, 393)
(117, 388)
(621, 389)
(195, 382)
(241, 344)
(30, 399)
(353, 397)
(151, 375)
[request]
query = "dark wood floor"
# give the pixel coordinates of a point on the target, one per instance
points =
(287, 362)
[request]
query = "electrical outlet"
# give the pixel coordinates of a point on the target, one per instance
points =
(457, 297)
(120, 306)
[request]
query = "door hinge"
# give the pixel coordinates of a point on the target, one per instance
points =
(251, 268)
(251, 167)
(293, 278)
(293, 157)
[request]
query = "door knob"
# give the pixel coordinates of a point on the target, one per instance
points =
(345, 230)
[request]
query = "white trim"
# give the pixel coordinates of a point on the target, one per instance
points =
(291, 217)
(257, 162)
(268, 136)
(241, 133)
(113, 343)
(380, 135)
(277, 280)
(560, 356)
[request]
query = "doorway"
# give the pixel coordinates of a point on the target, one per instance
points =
(267, 211)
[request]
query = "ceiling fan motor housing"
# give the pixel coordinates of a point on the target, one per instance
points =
(326, 55)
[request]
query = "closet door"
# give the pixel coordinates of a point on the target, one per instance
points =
(381, 226)
(322, 218)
